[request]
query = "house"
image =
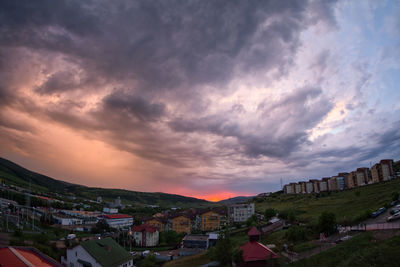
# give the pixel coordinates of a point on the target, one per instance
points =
(181, 223)
(25, 256)
(240, 212)
(118, 220)
(255, 253)
(98, 252)
(145, 235)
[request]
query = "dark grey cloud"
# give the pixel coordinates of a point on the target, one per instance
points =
(161, 44)
(134, 106)
(282, 125)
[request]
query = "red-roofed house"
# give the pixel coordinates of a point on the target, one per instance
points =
(145, 235)
(254, 253)
(118, 220)
(25, 256)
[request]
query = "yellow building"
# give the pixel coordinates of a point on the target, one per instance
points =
(157, 223)
(181, 224)
(210, 221)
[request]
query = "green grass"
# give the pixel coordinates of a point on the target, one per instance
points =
(305, 246)
(195, 260)
(361, 250)
(348, 206)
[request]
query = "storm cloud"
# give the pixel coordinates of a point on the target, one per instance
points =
(189, 91)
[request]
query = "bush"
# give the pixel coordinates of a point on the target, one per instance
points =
(327, 223)
(395, 196)
(296, 234)
(269, 213)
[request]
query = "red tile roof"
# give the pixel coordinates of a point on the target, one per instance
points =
(254, 232)
(11, 259)
(255, 251)
(145, 228)
(116, 216)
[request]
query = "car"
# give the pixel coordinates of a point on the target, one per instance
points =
(394, 210)
(394, 217)
(378, 212)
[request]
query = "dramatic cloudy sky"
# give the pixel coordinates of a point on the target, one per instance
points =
(211, 99)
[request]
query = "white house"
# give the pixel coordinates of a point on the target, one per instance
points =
(97, 253)
(145, 235)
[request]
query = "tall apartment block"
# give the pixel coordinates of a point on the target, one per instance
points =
(382, 171)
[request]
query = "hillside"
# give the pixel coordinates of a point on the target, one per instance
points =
(14, 174)
(235, 200)
(349, 206)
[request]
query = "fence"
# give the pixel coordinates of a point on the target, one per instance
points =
(372, 227)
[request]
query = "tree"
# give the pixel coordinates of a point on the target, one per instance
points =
(252, 221)
(327, 223)
(149, 261)
(269, 213)
(224, 249)
(101, 227)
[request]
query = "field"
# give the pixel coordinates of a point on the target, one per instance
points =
(349, 206)
(362, 250)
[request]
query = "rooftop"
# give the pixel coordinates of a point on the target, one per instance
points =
(25, 256)
(106, 251)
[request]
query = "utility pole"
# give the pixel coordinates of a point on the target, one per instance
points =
(33, 219)
(281, 184)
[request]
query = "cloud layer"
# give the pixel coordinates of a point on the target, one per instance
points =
(198, 97)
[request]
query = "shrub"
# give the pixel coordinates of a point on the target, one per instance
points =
(327, 223)
(296, 233)
(269, 213)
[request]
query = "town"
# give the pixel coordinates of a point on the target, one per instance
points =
(65, 230)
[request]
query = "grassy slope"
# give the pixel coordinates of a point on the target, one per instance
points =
(347, 205)
(14, 174)
(361, 250)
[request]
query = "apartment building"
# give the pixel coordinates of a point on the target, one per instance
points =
(240, 212)
(382, 171)
(210, 221)
(159, 223)
(363, 176)
(181, 223)
(118, 220)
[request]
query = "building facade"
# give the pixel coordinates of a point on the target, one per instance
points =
(118, 220)
(145, 235)
(241, 212)
(181, 224)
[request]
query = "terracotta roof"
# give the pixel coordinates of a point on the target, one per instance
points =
(15, 257)
(116, 216)
(144, 227)
(255, 251)
(253, 231)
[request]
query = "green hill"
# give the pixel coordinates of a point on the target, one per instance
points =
(14, 174)
(349, 206)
